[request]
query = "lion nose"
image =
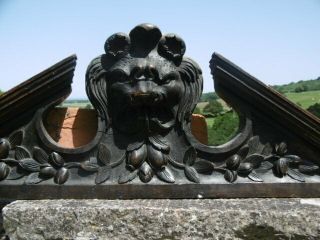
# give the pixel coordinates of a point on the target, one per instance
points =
(146, 73)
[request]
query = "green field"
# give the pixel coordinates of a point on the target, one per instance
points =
(77, 103)
(304, 99)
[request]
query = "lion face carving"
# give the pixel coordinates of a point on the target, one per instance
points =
(143, 84)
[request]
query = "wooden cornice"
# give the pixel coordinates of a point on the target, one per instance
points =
(51, 86)
(231, 80)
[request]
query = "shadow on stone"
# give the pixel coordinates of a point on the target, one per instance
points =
(2, 232)
(253, 232)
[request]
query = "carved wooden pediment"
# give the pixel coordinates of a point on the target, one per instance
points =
(144, 91)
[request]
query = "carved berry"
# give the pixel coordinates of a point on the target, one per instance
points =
(145, 173)
(48, 171)
(56, 160)
(233, 162)
(136, 157)
(245, 168)
(4, 148)
(61, 176)
(281, 166)
(156, 158)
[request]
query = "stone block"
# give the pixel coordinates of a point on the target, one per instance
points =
(163, 219)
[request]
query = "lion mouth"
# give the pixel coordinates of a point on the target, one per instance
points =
(145, 98)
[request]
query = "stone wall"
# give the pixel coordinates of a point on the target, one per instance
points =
(163, 219)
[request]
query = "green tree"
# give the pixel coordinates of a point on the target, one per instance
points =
(213, 107)
(223, 128)
(0, 92)
(315, 109)
(88, 106)
(301, 88)
(206, 97)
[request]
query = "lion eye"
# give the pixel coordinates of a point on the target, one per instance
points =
(169, 77)
(118, 75)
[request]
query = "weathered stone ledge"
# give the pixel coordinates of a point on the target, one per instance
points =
(163, 219)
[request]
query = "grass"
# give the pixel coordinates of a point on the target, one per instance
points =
(304, 99)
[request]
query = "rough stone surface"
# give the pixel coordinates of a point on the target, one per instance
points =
(163, 219)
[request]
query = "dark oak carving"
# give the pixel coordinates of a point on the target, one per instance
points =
(144, 90)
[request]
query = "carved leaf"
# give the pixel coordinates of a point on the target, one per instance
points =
(127, 176)
(230, 176)
(119, 161)
(295, 175)
(16, 138)
(62, 176)
(15, 173)
(89, 166)
(191, 174)
(29, 165)
(34, 178)
(203, 166)
(190, 156)
(40, 155)
(308, 168)
(281, 148)
(166, 175)
(104, 154)
(293, 158)
(267, 149)
(271, 158)
(134, 146)
(72, 165)
(21, 153)
(264, 167)
(159, 143)
(243, 152)
(254, 177)
(103, 174)
(255, 160)
(4, 170)
(253, 144)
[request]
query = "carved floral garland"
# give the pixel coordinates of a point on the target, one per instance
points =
(148, 158)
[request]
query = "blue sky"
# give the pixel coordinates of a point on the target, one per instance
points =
(278, 41)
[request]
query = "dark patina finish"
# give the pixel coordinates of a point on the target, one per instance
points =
(144, 90)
